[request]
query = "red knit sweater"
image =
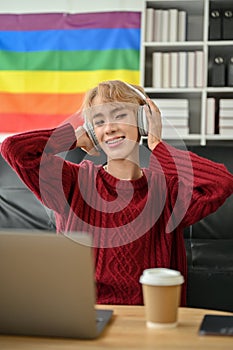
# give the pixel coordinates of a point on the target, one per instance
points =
(135, 224)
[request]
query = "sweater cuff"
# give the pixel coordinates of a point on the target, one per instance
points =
(164, 159)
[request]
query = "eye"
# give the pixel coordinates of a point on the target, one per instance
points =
(121, 116)
(98, 122)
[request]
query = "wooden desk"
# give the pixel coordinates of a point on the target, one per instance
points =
(127, 330)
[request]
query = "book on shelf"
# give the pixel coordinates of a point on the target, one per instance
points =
(170, 131)
(182, 69)
(165, 25)
(226, 131)
(173, 109)
(210, 116)
(226, 113)
(199, 68)
(166, 70)
(173, 24)
(172, 103)
(149, 23)
(175, 112)
(157, 69)
(175, 121)
(182, 26)
(226, 103)
(174, 70)
(226, 122)
(190, 69)
(157, 25)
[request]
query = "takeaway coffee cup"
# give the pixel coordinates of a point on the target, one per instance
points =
(161, 294)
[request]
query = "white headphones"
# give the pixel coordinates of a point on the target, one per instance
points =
(141, 119)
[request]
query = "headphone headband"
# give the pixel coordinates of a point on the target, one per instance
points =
(137, 91)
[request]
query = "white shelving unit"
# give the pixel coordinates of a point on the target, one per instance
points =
(197, 39)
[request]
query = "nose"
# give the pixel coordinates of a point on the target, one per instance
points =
(110, 127)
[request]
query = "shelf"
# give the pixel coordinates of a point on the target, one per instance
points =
(162, 44)
(196, 41)
(228, 43)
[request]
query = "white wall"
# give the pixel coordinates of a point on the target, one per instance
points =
(69, 6)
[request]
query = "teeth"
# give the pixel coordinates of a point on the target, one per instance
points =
(115, 140)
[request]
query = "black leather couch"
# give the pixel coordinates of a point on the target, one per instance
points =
(209, 243)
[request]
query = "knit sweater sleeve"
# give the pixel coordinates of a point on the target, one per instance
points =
(196, 186)
(33, 156)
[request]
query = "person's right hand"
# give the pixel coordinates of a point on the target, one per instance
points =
(84, 142)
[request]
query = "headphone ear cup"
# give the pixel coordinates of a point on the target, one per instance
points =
(142, 121)
(91, 133)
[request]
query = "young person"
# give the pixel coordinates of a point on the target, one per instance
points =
(136, 216)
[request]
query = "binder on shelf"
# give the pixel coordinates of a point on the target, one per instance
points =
(182, 70)
(182, 26)
(217, 72)
(230, 72)
(215, 25)
(210, 116)
(227, 25)
(173, 24)
(157, 69)
(149, 24)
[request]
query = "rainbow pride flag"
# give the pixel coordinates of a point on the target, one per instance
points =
(48, 61)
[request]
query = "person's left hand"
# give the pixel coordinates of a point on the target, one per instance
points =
(154, 123)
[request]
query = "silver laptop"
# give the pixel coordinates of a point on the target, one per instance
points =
(47, 286)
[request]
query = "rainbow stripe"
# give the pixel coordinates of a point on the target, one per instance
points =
(48, 61)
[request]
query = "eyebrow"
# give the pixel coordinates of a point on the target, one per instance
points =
(111, 112)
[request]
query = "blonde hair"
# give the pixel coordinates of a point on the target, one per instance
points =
(112, 91)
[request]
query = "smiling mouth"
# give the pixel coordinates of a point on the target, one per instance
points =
(115, 141)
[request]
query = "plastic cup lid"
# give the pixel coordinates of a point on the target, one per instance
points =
(161, 277)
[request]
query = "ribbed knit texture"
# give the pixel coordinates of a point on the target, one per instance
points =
(134, 224)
